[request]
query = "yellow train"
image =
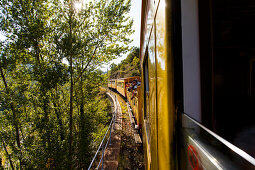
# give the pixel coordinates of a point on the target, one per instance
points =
(134, 98)
(196, 102)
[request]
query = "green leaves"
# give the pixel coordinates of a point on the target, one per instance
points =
(128, 67)
(35, 82)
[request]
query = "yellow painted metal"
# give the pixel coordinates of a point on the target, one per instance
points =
(109, 83)
(158, 125)
(139, 109)
(149, 9)
(130, 79)
(150, 118)
(146, 26)
(146, 123)
(112, 83)
(121, 86)
(152, 111)
(165, 89)
(135, 104)
(147, 157)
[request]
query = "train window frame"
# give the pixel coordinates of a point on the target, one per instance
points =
(191, 59)
(146, 81)
(208, 65)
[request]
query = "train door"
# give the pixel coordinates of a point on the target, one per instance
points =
(218, 49)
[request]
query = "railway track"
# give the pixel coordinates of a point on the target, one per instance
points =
(131, 153)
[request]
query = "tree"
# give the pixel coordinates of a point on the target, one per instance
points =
(88, 42)
(134, 53)
(26, 26)
(128, 67)
(47, 106)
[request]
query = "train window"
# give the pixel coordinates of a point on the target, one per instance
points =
(146, 77)
(218, 50)
(146, 84)
(147, 121)
(119, 84)
(219, 37)
(228, 53)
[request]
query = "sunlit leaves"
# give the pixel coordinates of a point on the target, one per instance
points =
(129, 66)
(35, 83)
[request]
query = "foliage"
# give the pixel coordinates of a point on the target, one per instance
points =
(52, 112)
(128, 67)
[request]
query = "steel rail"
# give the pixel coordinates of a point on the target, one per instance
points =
(100, 146)
(108, 139)
(102, 156)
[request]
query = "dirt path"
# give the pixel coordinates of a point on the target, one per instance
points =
(131, 155)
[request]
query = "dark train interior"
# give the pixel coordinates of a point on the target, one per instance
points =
(227, 50)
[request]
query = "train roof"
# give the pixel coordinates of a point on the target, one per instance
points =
(127, 78)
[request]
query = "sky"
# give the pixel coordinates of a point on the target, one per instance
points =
(2, 38)
(135, 14)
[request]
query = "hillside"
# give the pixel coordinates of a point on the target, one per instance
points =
(128, 67)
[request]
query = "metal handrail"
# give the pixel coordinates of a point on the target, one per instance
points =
(101, 144)
(232, 147)
(102, 156)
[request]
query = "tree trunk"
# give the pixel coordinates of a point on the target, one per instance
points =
(9, 157)
(15, 121)
(46, 119)
(57, 112)
(71, 89)
(82, 127)
(71, 117)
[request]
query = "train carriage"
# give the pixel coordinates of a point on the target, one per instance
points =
(196, 103)
(121, 86)
(133, 97)
(112, 84)
(135, 101)
(109, 84)
(197, 60)
(130, 79)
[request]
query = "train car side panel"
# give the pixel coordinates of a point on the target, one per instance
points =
(135, 104)
(121, 87)
(147, 55)
(139, 117)
(109, 84)
(165, 91)
(114, 85)
(130, 79)
(145, 110)
(152, 96)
